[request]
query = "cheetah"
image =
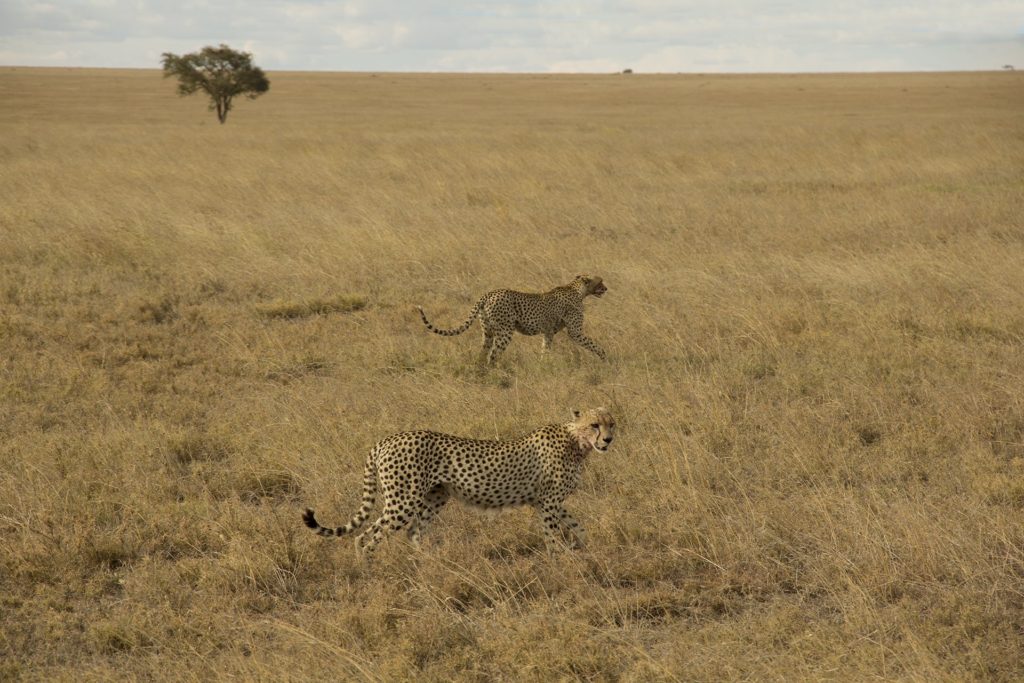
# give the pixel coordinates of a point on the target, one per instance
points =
(504, 311)
(417, 472)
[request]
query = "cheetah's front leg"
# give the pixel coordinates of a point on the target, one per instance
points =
(587, 343)
(554, 517)
(574, 328)
(573, 528)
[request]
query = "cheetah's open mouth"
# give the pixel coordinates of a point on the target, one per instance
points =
(600, 289)
(600, 447)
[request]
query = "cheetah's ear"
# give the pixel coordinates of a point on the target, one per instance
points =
(575, 413)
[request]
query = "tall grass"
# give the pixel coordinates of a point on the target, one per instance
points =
(815, 328)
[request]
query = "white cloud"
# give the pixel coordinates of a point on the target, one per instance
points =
(526, 35)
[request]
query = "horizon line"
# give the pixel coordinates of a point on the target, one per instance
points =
(624, 72)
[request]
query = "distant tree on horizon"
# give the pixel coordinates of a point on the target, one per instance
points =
(220, 72)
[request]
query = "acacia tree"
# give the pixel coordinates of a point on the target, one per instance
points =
(220, 72)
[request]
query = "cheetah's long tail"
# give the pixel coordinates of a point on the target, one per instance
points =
(369, 496)
(461, 328)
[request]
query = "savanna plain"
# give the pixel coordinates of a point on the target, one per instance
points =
(815, 328)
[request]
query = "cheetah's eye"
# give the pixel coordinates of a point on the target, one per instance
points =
(596, 426)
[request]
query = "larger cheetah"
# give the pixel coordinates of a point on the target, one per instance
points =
(504, 311)
(417, 472)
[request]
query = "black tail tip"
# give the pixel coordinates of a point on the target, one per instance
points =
(309, 519)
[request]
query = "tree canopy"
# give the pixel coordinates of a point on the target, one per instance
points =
(220, 72)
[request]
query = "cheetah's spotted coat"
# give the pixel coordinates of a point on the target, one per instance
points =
(417, 472)
(504, 311)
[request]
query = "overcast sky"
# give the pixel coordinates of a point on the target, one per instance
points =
(525, 35)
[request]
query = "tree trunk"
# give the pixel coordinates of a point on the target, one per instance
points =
(222, 110)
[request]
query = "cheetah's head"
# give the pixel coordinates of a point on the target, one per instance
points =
(588, 285)
(594, 428)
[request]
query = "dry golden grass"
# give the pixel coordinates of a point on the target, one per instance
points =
(815, 325)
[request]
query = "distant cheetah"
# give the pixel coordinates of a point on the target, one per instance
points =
(504, 311)
(417, 472)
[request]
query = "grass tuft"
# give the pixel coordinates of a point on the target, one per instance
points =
(257, 487)
(290, 310)
(157, 312)
(193, 448)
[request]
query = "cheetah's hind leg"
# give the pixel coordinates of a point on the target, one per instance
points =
(488, 345)
(501, 340)
(432, 503)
